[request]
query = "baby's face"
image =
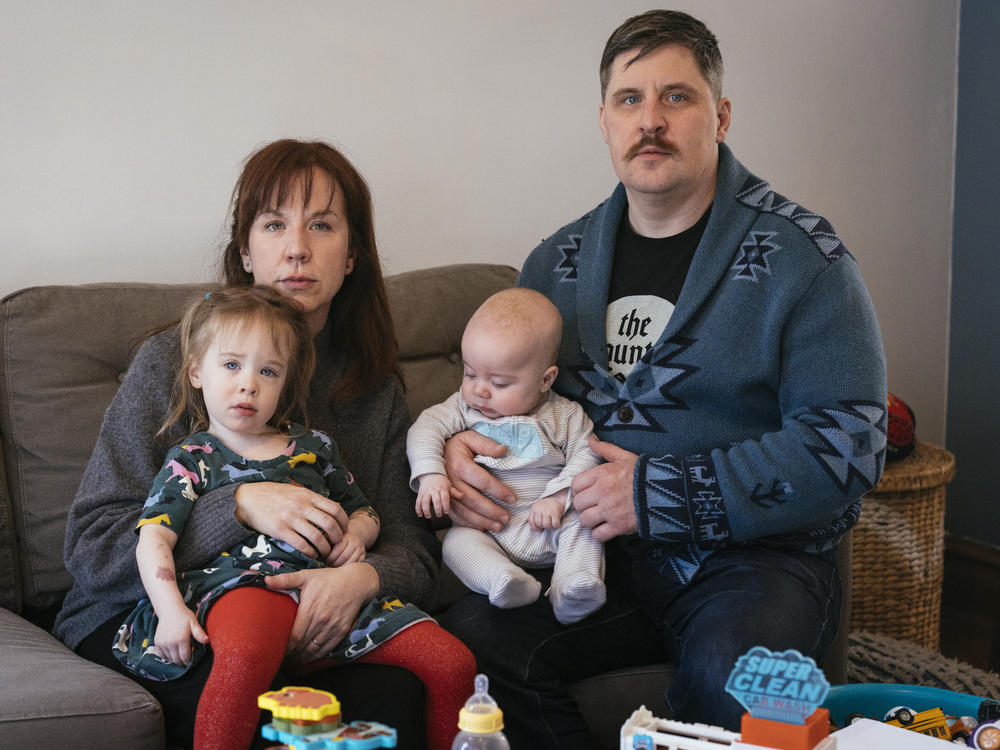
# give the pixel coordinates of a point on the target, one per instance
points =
(502, 377)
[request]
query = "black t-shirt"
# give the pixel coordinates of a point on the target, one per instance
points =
(646, 281)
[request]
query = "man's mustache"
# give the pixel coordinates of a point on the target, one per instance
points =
(647, 141)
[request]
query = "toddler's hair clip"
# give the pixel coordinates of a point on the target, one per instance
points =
(208, 295)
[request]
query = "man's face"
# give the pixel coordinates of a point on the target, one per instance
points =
(662, 124)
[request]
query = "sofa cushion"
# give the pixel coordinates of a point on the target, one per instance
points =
(49, 697)
(430, 307)
(53, 393)
(57, 384)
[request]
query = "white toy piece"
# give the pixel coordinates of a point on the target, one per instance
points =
(643, 731)
(866, 733)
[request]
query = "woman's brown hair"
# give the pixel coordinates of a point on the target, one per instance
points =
(360, 322)
(236, 309)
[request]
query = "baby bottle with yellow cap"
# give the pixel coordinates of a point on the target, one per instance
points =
(480, 722)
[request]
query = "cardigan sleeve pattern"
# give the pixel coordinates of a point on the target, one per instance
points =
(678, 500)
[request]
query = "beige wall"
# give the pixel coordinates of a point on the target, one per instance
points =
(123, 124)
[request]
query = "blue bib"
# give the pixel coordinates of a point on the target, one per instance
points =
(521, 439)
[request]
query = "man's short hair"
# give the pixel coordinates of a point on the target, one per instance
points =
(655, 28)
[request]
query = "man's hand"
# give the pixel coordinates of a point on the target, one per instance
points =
(473, 508)
(603, 495)
(309, 522)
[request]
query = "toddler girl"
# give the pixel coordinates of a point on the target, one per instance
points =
(247, 359)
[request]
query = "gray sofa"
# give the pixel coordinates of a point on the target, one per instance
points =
(63, 350)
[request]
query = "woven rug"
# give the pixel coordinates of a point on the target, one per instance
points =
(879, 658)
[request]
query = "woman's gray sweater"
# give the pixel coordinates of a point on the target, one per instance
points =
(100, 534)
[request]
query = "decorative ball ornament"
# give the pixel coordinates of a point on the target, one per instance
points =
(901, 438)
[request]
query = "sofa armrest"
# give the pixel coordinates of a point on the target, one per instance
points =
(49, 697)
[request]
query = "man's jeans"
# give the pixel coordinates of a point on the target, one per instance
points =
(742, 596)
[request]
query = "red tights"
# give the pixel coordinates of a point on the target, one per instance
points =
(249, 629)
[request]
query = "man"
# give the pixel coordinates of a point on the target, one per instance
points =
(723, 342)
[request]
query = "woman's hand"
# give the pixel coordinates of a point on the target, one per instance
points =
(471, 507)
(309, 522)
(329, 602)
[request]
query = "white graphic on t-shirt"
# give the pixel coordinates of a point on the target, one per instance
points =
(633, 325)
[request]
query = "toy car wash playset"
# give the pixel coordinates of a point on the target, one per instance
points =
(791, 706)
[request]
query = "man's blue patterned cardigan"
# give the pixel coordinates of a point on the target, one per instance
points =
(760, 414)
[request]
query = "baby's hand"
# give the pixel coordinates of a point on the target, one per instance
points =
(547, 512)
(350, 548)
(173, 635)
(434, 495)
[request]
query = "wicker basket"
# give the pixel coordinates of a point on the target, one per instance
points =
(898, 563)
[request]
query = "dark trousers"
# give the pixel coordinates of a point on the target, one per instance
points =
(741, 597)
(391, 695)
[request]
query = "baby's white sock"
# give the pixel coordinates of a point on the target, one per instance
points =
(513, 587)
(576, 597)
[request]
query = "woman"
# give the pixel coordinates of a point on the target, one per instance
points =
(302, 224)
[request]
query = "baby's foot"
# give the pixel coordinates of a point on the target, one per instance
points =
(577, 597)
(514, 588)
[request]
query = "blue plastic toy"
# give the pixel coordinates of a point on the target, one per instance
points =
(310, 719)
(875, 700)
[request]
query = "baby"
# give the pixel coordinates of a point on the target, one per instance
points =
(509, 349)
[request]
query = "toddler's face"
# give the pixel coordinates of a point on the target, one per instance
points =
(502, 376)
(241, 377)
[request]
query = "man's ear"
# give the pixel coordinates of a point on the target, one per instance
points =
(724, 116)
(549, 378)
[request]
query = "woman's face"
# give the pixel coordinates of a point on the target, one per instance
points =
(303, 249)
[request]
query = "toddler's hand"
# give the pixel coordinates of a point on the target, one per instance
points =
(350, 548)
(547, 512)
(434, 495)
(174, 633)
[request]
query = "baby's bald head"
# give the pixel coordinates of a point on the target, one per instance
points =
(521, 316)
